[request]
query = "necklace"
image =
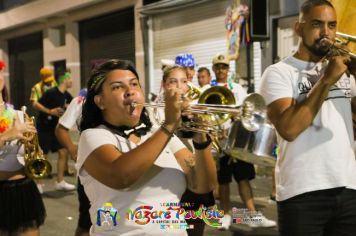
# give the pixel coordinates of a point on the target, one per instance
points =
(6, 118)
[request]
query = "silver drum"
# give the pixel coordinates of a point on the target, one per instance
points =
(256, 147)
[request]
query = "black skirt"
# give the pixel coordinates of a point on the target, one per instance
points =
(21, 206)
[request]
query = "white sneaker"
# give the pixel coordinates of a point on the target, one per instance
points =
(40, 188)
(264, 223)
(225, 222)
(63, 185)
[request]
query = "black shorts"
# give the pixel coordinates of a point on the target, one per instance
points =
(192, 201)
(21, 206)
(239, 169)
(48, 141)
(84, 221)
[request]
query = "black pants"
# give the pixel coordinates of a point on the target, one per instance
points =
(84, 221)
(330, 212)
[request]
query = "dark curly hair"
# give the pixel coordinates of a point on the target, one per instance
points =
(91, 114)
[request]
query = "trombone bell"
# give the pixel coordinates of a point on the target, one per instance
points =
(217, 95)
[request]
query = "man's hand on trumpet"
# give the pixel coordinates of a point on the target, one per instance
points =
(337, 48)
(336, 67)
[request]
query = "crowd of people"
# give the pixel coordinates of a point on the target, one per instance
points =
(132, 155)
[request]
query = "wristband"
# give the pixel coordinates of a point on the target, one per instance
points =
(166, 131)
(202, 146)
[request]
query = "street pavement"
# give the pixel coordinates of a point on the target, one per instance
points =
(62, 207)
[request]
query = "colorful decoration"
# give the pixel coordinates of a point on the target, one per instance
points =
(2, 65)
(236, 24)
(6, 118)
(82, 95)
(63, 77)
(185, 60)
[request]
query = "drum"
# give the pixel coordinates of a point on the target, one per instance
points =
(256, 147)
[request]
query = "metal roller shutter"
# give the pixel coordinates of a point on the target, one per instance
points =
(199, 30)
(109, 36)
(26, 60)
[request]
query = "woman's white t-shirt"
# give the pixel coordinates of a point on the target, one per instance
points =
(164, 182)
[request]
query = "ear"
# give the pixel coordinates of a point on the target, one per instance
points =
(98, 102)
(298, 28)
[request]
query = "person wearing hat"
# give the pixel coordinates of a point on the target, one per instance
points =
(187, 61)
(242, 171)
(47, 82)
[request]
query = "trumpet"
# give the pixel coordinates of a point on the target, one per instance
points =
(215, 107)
(347, 37)
(36, 165)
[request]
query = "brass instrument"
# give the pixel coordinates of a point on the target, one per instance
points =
(193, 92)
(346, 38)
(36, 165)
(215, 106)
(336, 47)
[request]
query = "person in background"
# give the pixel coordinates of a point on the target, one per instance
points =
(243, 172)
(67, 122)
(57, 99)
(22, 211)
(204, 78)
(176, 76)
(47, 81)
(187, 62)
(70, 121)
(308, 101)
(122, 160)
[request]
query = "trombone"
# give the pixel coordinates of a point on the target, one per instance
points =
(215, 107)
(335, 46)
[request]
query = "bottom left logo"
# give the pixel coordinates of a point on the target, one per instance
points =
(107, 216)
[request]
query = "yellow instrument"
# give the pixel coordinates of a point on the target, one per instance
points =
(36, 165)
(193, 92)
